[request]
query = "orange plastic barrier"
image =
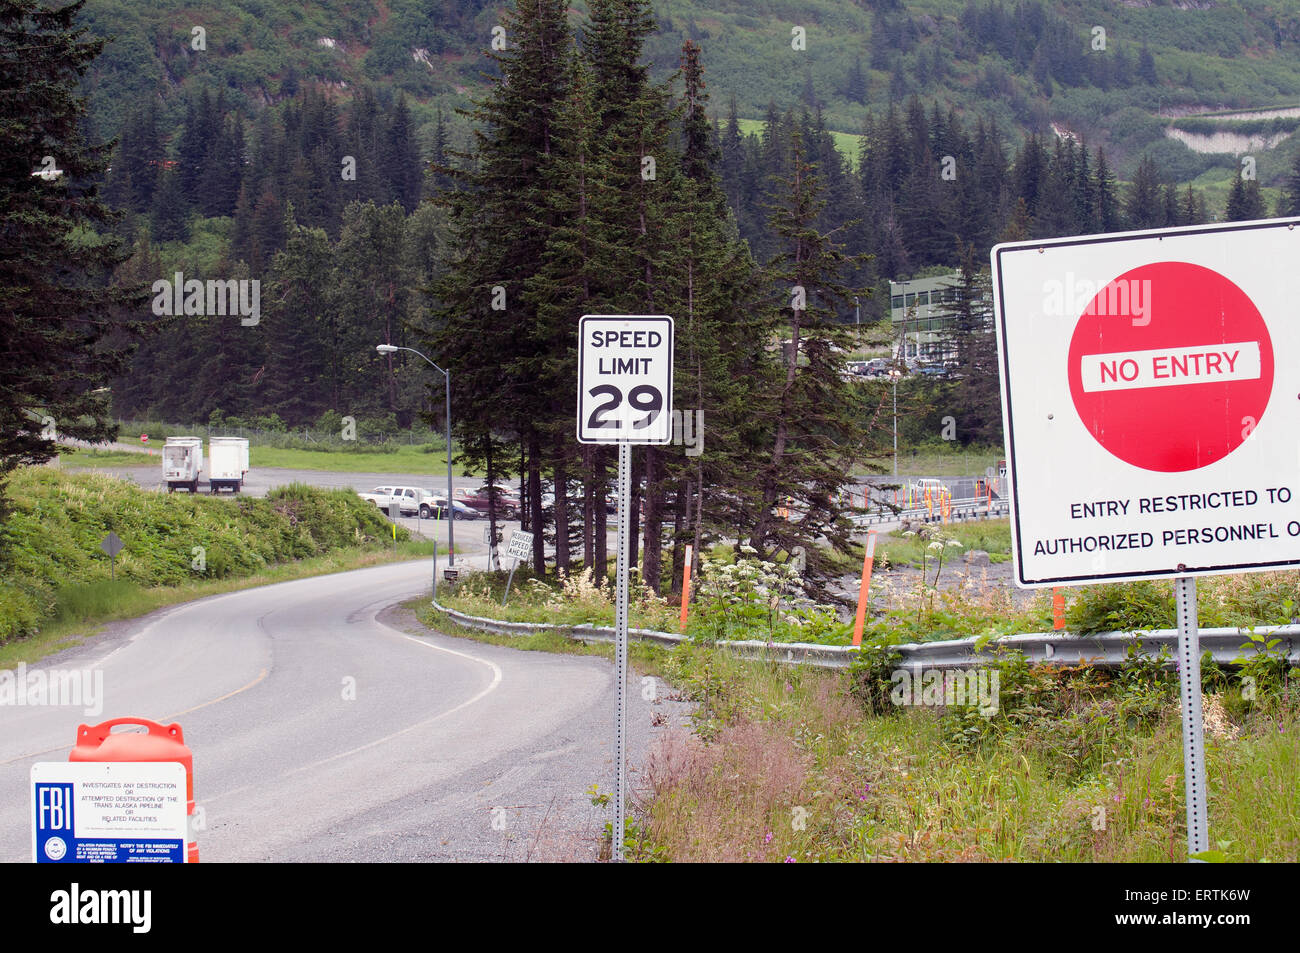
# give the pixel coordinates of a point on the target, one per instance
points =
(160, 743)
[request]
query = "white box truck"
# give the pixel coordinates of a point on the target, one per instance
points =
(182, 461)
(227, 463)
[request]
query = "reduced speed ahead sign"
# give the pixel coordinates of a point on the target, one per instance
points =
(625, 379)
(1151, 401)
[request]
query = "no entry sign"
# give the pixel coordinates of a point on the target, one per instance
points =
(1172, 385)
(625, 379)
(1151, 396)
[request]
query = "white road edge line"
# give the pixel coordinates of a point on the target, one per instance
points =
(496, 680)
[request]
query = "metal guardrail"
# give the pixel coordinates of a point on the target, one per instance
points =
(1104, 650)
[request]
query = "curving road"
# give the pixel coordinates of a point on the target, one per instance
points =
(450, 749)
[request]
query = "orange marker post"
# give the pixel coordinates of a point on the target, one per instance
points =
(1058, 608)
(867, 560)
(686, 589)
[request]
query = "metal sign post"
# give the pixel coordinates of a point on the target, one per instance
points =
(625, 396)
(620, 639)
(1189, 671)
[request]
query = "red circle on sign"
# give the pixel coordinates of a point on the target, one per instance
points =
(1171, 367)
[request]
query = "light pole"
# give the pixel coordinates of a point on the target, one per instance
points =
(895, 373)
(451, 517)
(857, 312)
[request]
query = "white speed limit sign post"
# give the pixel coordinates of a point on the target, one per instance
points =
(625, 396)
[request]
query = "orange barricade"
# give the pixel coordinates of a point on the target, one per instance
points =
(159, 743)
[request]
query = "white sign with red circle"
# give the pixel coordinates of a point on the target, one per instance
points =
(1151, 401)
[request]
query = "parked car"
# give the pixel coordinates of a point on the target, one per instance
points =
(507, 504)
(434, 507)
(931, 370)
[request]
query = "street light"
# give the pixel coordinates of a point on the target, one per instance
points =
(451, 520)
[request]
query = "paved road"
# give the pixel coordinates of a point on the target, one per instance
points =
(451, 750)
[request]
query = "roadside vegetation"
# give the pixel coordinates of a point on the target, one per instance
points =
(54, 571)
(934, 595)
(795, 764)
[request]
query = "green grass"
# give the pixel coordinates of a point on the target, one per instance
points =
(408, 459)
(645, 655)
(108, 459)
(992, 536)
(928, 461)
(575, 602)
(1056, 774)
(847, 143)
(60, 519)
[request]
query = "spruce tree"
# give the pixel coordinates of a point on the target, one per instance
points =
(1144, 203)
(1245, 202)
(63, 329)
(487, 329)
(170, 215)
(815, 434)
(140, 156)
(1289, 201)
(1109, 217)
(298, 311)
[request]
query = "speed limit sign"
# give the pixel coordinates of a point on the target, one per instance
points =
(625, 379)
(625, 396)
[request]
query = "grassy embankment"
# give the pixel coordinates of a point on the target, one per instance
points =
(57, 581)
(404, 459)
(790, 765)
(1079, 765)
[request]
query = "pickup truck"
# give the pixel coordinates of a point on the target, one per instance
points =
(408, 498)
